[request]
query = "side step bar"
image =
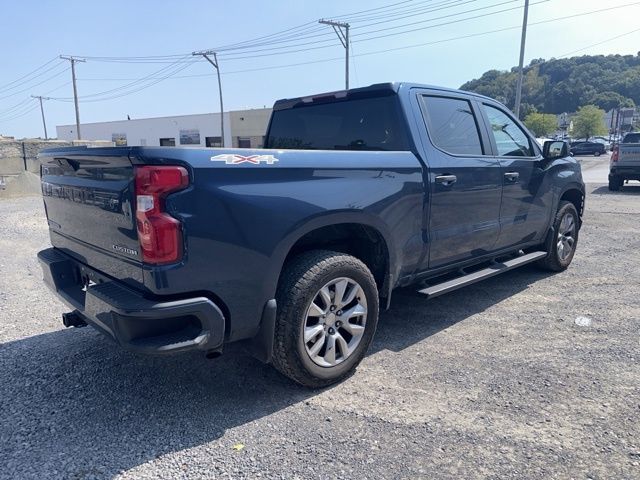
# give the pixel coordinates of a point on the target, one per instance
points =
(494, 269)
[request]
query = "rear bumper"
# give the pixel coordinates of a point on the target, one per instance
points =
(137, 323)
(629, 172)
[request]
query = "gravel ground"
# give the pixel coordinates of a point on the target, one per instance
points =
(493, 381)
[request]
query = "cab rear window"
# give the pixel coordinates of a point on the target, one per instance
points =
(632, 138)
(355, 124)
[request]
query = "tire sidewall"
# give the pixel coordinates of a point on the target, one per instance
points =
(371, 294)
(564, 209)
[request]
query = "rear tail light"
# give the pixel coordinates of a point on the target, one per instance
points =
(159, 233)
(614, 155)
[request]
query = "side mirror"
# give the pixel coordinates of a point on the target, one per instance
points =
(553, 149)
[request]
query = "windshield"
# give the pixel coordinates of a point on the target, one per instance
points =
(359, 124)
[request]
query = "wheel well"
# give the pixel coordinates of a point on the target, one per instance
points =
(576, 197)
(361, 241)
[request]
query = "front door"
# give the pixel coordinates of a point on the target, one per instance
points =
(465, 184)
(526, 195)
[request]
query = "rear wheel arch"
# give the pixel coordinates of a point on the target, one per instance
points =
(361, 240)
(574, 195)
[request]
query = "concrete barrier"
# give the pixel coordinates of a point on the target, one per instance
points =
(19, 157)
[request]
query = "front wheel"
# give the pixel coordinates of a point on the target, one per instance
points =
(327, 316)
(597, 154)
(566, 228)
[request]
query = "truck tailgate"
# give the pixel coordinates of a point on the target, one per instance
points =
(629, 155)
(88, 197)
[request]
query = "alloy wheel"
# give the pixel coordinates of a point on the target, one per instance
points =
(335, 322)
(566, 236)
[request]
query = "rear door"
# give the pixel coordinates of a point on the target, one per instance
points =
(88, 197)
(526, 197)
(465, 185)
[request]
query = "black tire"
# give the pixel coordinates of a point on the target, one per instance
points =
(554, 261)
(598, 153)
(615, 182)
(299, 284)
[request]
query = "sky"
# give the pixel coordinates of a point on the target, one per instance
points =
(417, 41)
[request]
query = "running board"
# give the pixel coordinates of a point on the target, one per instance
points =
(494, 269)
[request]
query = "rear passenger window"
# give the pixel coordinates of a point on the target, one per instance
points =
(511, 141)
(452, 125)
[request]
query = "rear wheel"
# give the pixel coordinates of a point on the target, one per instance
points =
(597, 154)
(615, 182)
(566, 238)
(327, 316)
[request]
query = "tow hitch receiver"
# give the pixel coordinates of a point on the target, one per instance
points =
(73, 319)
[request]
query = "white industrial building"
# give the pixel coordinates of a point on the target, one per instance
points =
(242, 128)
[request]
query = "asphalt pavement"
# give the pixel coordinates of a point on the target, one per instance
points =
(526, 375)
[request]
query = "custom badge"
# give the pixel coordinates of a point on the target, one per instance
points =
(233, 159)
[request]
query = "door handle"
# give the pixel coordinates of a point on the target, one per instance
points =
(512, 176)
(446, 180)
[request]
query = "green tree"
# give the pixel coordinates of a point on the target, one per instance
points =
(589, 121)
(541, 124)
(564, 84)
(610, 100)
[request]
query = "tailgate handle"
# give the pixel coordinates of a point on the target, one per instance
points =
(446, 180)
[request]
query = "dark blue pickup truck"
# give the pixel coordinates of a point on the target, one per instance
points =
(292, 249)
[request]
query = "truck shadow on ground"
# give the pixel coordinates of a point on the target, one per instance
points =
(627, 189)
(80, 407)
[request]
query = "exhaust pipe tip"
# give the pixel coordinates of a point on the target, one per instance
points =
(73, 319)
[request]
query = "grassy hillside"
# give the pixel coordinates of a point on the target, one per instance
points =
(563, 85)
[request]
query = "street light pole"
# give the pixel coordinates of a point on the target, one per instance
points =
(342, 31)
(206, 54)
(523, 40)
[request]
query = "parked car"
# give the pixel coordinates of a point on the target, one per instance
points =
(625, 161)
(604, 141)
(293, 249)
(587, 148)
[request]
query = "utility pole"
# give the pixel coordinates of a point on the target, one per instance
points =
(73, 61)
(206, 54)
(520, 65)
(342, 31)
(44, 123)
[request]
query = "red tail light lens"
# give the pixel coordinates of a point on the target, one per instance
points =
(614, 155)
(159, 233)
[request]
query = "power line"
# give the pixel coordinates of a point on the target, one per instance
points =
(35, 84)
(413, 14)
(404, 47)
(6, 86)
(435, 42)
(15, 107)
(234, 55)
(475, 17)
(179, 63)
(599, 43)
(294, 34)
(100, 96)
(306, 49)
(172, 68)
(22, 114)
